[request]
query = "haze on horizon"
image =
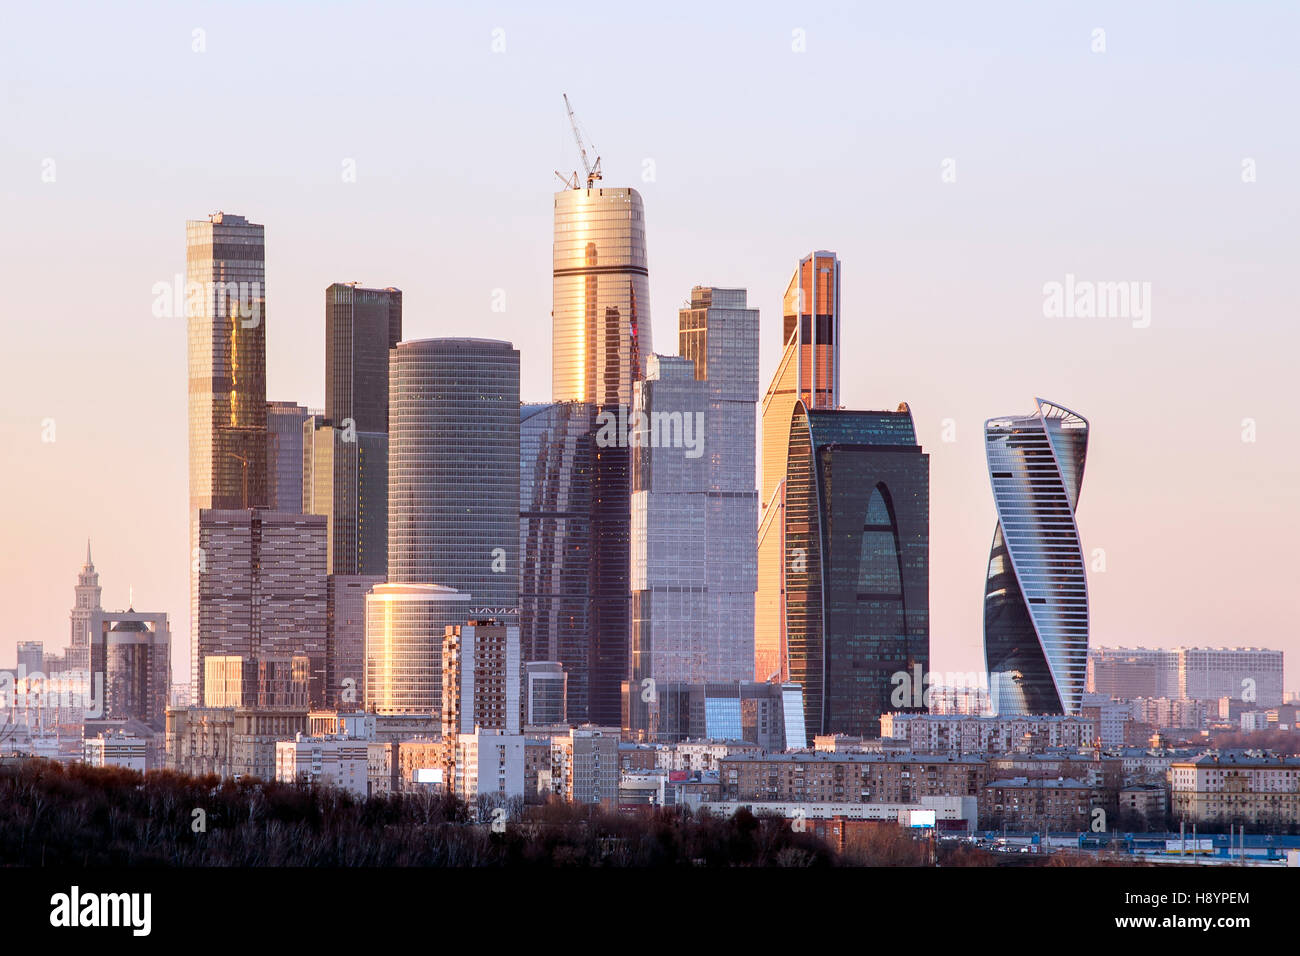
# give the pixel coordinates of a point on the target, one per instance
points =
(958, 160)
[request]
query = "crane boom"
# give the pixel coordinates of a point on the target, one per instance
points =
(593, 171)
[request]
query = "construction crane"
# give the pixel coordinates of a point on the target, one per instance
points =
(593, 169)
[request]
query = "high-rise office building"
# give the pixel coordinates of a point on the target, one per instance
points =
(453, 517)
(453, 477)
(601, 338)
(284, 431)
(669, 577)
(482, 678)
(557, 454)
(132, 650)
(719, 333)
(345, 461)
(225, 257)
(345, 659)
(1036, 592)
(405, 624)
(600, 309)
(261, 590)
(857, 530)
(345, 478)
(809, 372)
(84, 608)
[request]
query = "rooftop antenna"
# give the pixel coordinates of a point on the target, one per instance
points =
(593, 169)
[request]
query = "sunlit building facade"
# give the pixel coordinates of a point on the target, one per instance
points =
(1036, 593)
(405, 624)
(262, 590)
(600, 342)
(808, 372)
(225, 269)
(857, 530)
(600, 310)
(719, 334)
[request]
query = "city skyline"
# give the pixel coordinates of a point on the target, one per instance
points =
(926, 311)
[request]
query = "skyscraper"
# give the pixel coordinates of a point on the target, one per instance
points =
(557, 453)
(453, 519)
(261, 590)
(284, 431)
(225, 261)
(1036, 593)
(345, 659)
(669, 577)
(857, 531)
(133, 651)
(453, 477)
(482, 678)
(345, 463)
(601, 338)
(808, 372)
(600, 309)
(84, 608)
(719, 333)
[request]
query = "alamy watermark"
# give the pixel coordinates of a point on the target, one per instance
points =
(636, 429)
(1086, 299)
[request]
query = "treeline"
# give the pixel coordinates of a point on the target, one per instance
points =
(56, 815)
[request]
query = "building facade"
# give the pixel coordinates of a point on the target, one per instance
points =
(557, 454)
(261, 590)
(1036, 593)
(284, 436)
(857, 582)
(808, 372)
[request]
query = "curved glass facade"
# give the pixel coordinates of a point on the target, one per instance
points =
(600, 308)
(857, 533)
(453, 469)
(405, 624)
(556, 458)
(1036, 592)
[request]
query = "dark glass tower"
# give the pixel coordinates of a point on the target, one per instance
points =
(556, 457)
(857, 530)
(1036, 593)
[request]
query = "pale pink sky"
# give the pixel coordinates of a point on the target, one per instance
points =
(1125, 164)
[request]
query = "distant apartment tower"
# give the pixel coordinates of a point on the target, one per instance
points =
(1130, 673)
(1036, 594)
(669, 577)
(482, 676)
(601, 339)
(1249, 674)
(545, 693)
(269, 682)
(31, 657)
(809, 372)
(261, 590)
(857, 534)
(284, 432)
(225, 257)
(719, 334)
(557, 454)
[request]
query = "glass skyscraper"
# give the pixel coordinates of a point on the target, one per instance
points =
(600, 312)
(453, 475)
(600, 315)
(225, 272)
(284, 432)
(857, 530)
(1036, 592)
(807, 372)
(556, 461)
